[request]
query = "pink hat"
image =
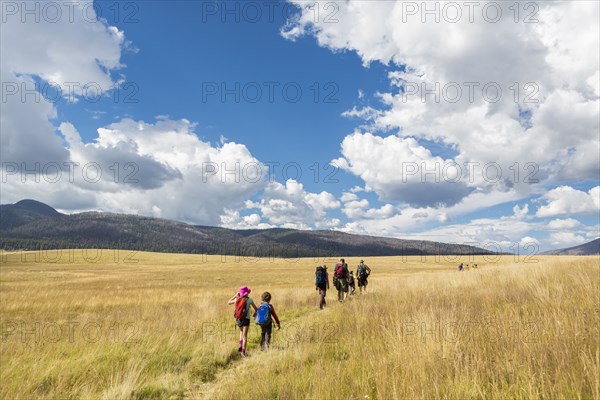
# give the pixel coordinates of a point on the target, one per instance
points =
(243, 291)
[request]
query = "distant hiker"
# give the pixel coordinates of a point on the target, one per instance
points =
(460, 267)
(340, 279)
(242, 315)
(264, 316)
(362, 274)
(322, 284)
(351, 283)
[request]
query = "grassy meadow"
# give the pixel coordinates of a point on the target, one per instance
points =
(124, 325)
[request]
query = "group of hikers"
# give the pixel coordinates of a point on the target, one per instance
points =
(461, 267)
(264, 315)
(344, 280)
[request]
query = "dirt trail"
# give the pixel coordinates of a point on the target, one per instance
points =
(227, 372)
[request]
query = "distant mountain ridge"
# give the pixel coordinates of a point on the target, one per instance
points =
(586, 249)
(31, 225)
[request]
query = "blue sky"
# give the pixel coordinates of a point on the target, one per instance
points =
(164, 58)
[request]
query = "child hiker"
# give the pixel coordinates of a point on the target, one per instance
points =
(351, 283)
(242, 315)
(264, 317)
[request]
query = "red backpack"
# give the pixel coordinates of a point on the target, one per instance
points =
(240, 308)
(339, 270)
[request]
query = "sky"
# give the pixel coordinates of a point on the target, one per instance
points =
(462, 122)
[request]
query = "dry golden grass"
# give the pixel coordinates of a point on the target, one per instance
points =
(147, 325)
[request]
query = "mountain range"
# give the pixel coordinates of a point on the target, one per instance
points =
(32, 225)
(586, 249)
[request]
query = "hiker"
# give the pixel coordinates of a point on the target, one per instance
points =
(242, 315)
(340, 279)
(362, 274)
(264, 316)
(460, 267)
(322, 284)
(351, 283)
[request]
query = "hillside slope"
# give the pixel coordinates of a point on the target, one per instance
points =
(586, 249)
(32, 225)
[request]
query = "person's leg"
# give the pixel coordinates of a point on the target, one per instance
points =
(268, 333)
(244, 339)
(241, 339)
(322, 298)
(263, 332)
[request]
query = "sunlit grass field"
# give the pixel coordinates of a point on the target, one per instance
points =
(124, 325)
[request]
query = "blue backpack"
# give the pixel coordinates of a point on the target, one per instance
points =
(263, 314)
(320, 279)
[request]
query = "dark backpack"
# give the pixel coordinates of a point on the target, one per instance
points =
(241, 310)
(263, 314)
(320, 279)
(360, 272)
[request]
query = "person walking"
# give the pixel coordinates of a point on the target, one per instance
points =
(322, 284)
(351, 283)
(341, 279)
(264, 316)
(242, 315)
(362, 274)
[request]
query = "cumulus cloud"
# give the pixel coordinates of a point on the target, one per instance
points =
(528, 241)
(233, 220)
(290, 206)
(348, 196)
(565, 200)
(66, 55)
(521, 212)
(400, 169)
(567, 223)
(566, 239)
(161, 169)
(552, 63)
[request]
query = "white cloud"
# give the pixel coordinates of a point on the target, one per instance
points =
(443, 217)
(160, 169)
(557, 57)
(528, 241)
(521, 212)
(562, 224)
(565, 200)
(78, 48)
(68, 53)
(348, 196)
(495, 234)
(232, 219)
(566, 239)
(366, 113)
(398, 169)
(290, 206)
